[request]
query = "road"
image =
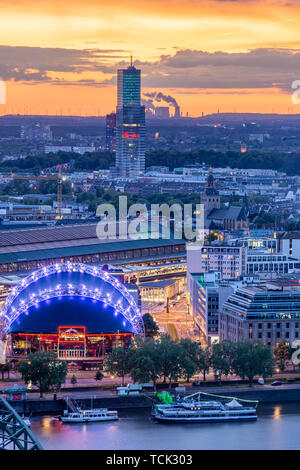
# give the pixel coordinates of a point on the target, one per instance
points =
(100, 392)
(177, 322)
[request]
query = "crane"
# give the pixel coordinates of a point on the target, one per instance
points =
(48, 174)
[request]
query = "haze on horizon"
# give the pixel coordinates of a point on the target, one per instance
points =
(232, 55)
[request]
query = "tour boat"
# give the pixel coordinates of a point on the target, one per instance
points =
(191, 411)
(88, 416)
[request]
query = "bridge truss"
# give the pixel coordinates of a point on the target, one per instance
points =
(14, 434)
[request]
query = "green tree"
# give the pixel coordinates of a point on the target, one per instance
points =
(189, 357)
(17, 188)
(145, 362)
(222, 355)
(151, 327)
(99, 376)
(203, 361)
(31, 201)
(5, 368)
(47, 187)
(44, 370)
(170, 353)
(59, 370)
(118, 362)
(73, 380)
(252, 358)
(291, 226)
(281, 353)
(211, 237)
(264, 220)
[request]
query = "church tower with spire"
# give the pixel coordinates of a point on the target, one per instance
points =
(211, 197)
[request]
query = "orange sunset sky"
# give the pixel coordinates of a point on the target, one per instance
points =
(61, 57)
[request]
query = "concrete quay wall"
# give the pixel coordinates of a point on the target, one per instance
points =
(45, 406)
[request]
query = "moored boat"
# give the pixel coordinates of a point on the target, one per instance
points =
(198, 411)
(88, 416)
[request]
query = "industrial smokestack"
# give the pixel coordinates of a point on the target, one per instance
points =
(149, 105)
(159, 96)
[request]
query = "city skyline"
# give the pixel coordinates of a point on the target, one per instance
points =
(149, 227)
(235, 56)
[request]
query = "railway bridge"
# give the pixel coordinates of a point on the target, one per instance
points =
(14, 434)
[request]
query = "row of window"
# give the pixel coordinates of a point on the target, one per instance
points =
(278, 335)
(111, 256)
(278, 325)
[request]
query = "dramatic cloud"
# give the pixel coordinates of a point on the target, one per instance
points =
(257, 68)
(35, 63)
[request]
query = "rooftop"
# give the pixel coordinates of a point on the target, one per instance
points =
(289, 235)
(106, 246)
(158, 284)
(231, 212)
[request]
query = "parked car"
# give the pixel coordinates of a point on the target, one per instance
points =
(276, 383)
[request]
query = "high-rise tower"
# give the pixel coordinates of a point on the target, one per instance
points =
(130, 135)
(111, 132)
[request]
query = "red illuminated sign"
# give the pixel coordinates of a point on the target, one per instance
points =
(71, 334)
(130, 135)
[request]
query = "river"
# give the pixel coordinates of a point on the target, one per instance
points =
(277, 427)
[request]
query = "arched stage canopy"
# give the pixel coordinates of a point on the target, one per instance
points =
(70, 294)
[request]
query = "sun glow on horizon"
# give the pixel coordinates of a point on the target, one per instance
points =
(81, 81)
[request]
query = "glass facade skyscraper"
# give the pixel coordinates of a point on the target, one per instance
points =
(130, 135)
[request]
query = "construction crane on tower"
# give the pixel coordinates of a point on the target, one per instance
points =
(55, 174)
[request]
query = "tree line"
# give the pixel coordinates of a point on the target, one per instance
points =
(252, 159)
(167, 360)
(164, 360)
(171, 158)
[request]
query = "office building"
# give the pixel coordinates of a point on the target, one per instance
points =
(289, 243)
(229, 260)
(110, 143)
(206, 295)
(130, 124)
(269, 312)
(269, 265)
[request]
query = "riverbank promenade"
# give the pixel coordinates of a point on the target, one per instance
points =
(87, 387)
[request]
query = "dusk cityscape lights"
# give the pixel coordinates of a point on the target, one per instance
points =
(149, 229)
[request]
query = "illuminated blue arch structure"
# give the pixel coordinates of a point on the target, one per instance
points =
(70, 281)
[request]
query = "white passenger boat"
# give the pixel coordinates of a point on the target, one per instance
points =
(88, 416)
(191, 411)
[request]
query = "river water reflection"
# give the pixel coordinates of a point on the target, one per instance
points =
(277, 427)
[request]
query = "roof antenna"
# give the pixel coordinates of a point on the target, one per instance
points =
(131, 61)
